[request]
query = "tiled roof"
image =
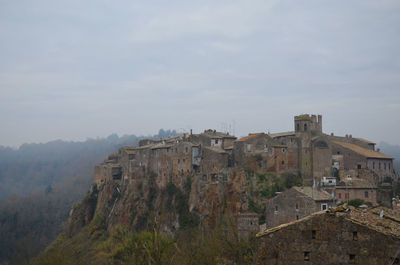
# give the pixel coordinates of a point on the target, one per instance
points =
(364, 140)
(389, 224)
(315, 194)
(356, 183)
(282, 134)
(362, 151)
(250, 136)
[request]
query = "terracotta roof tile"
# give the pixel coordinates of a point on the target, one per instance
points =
(250, 136)
(363, 151)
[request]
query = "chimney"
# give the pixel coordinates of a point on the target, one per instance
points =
(191, 131)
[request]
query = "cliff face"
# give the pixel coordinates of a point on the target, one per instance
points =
(186, 202)
(186, 181)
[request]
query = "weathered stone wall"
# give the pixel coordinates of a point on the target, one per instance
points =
(327, 239)
(289, 206)
(349, 193)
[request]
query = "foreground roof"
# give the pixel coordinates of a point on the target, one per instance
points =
(389, 224)
(363, 151)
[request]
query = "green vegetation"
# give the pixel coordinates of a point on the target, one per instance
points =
(270, 184)
(356, 202)
(192, 246)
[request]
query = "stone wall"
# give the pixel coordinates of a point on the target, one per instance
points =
(327, 239)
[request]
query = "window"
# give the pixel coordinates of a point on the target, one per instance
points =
(352, 258)
(184, 160)
(248, 147)
(297, 206)
(283, 162)
(283, 150)
(187, 150)
(265, 164)
(276, 208)
(298, 127)
(339, 195)
(179, 161)
(216, 141)
(313, 234)
(379, 165)
(307, 255)
(346, 196)
(324, 206)
(384, 166)
(358, 166)
(366, 194)
(305, 127)
(373, 165)
(266, 148)
(204, 177)
(297, 217)
(355, 236)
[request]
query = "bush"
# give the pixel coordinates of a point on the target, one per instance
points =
(356, 202)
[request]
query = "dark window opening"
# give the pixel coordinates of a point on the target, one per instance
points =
(366, 194)
(283, 162)
(297, 217)
(179, 161)
(373, 165)
(297, 206)
(276, 208)
(394, 260)
(313, 234)
(205, 177)
(355, 236)
(358, 166)
(352, 257)
(298, 127)
(339, 195)
(230, 163)
(306, 255)
(384, 166)
(187, 150)
(305, 127)
(379, 165)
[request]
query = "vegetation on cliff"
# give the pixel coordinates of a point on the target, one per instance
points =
(195, 245)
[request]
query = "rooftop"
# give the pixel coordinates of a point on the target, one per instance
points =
(317, 195)
(250, 136)
(282, 134)
(363, 151)
(355, 183)
(389, 224)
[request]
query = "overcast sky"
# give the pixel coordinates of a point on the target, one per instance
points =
(76, 69)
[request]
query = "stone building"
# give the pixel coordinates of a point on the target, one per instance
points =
(361, 159)
(296, 203)
(316, 155)
(260, 153)
(356, 188)
(247, 223)
(334, 237)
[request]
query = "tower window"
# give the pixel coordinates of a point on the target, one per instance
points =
(305, 127)
(313, 234)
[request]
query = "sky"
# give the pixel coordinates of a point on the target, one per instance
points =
(77, 69)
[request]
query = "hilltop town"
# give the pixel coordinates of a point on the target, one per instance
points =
(225, 172)
(294, 191)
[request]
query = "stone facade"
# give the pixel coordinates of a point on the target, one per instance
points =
(294, 204)
(332, 238)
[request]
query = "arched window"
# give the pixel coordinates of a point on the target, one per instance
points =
(305, 127)
(298, 127)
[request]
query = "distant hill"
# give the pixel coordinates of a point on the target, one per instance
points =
(39, 183)
(392, 150)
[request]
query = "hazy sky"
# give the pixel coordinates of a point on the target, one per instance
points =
(77, 69)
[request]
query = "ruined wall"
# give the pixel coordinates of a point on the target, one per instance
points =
(327, 239)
